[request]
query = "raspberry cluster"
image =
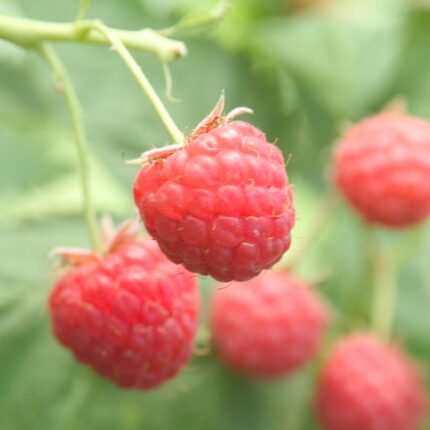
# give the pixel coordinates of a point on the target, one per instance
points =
(221, 205)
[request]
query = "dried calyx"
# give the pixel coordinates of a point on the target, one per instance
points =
(112, 241)
(216, 118)
(211, 121)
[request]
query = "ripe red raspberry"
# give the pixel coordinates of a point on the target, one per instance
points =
(382, 166)
(267, 326)
(131, 315)
(369, 385)
(220, 205)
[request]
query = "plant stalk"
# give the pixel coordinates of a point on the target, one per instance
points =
(62, 79)
(30, 33)
(384, 291)
(83, 8)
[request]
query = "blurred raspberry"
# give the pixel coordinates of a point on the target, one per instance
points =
(268, 326)
(131, 315)
(369, 385)
(382, 166)
(221, 205)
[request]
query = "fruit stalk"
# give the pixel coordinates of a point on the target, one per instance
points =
(62, 78)
(83, 8)
(30, 33)
(385, 291)
(319, 219)
(141, 78)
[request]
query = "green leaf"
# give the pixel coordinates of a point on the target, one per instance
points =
(62, 196)
(199, 20)
(348, 62)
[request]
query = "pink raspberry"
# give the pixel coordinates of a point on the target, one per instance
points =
(382, 166)
(369, 385)
(130, 315)
(221, 205)
(268, 326)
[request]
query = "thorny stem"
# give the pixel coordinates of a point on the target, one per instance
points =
(62, 78)
(143, 81)
(30, 33)
(384, 289)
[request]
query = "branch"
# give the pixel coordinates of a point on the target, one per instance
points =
(30, 33)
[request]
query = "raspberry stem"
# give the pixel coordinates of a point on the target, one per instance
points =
(384, 272)
(83, 8)
(141, 78)
(319, 218)
(61, 77)
(30, 33)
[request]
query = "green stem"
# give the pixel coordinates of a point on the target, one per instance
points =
(143, 81)
(83, 8)
(318, 221)
(384, 290)
(60, 74)
(30, 33)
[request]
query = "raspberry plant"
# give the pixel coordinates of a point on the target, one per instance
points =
(309, 70)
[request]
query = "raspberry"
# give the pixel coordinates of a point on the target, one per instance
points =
(268, 326)
(369, 385)
(382, 166)
(131, 315)
(220, 205)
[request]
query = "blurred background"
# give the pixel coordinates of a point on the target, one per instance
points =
(308, 68)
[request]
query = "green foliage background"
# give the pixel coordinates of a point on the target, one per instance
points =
(307, 73)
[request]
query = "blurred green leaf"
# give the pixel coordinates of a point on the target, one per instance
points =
(63, 195)
(349, 63)
(202, 20)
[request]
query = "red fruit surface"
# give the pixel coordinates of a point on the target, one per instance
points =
(268, 326)
(382, 166)
(132, 316)
(221, 206)
(369, 385)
